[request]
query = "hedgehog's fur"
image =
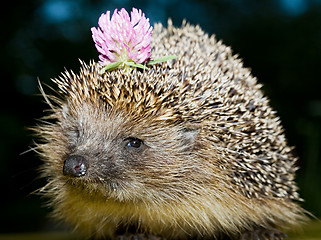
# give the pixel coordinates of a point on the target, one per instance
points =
(215, 160)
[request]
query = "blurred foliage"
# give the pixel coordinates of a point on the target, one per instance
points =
(310, 231)
(279, 40)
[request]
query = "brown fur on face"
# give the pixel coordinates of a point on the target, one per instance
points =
(211, 155)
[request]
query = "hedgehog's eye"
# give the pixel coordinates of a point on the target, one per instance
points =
(133, 142)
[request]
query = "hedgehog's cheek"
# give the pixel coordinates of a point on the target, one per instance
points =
(75, 166)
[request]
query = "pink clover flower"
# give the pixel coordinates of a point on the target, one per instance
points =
(122, 38)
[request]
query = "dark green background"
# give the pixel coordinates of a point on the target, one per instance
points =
(280, 40)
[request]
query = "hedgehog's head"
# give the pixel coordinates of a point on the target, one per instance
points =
(121, 136)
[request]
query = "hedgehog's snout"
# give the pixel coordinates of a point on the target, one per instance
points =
(75, 166)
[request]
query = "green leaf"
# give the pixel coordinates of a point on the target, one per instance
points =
(133, 64)
(161, 59)
(110, 67)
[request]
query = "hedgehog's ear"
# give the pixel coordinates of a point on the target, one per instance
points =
(189, 136)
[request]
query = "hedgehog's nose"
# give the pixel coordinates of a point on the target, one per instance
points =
(75, 166)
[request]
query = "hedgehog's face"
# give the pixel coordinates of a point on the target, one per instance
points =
(122, 156)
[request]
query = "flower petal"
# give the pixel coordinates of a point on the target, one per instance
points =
(123, 36)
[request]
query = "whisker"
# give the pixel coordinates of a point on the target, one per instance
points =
(45, 95)
(31, 149)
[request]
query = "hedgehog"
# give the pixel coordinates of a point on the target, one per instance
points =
(185, 149)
